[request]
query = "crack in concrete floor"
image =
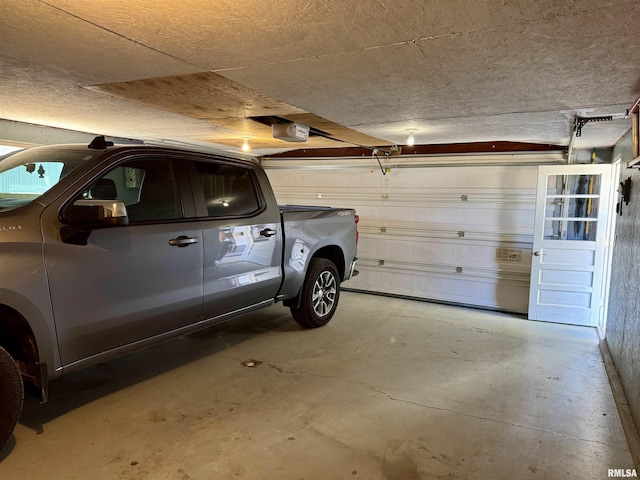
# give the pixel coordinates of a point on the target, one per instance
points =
(443, 409)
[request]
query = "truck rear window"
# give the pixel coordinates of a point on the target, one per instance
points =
(229, 190)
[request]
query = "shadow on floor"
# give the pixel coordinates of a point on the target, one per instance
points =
(78, 388)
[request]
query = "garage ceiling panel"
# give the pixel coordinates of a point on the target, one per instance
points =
(215, 99)
(40, 35)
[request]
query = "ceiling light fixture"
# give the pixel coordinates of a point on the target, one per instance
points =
(245, 144)
(411, 140)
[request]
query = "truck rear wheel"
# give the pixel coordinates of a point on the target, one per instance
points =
(11, 395)
(320, 294)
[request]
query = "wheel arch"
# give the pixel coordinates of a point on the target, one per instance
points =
(333, 253)
(19, 340)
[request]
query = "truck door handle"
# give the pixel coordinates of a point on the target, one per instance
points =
(182, 241)
(268, 232)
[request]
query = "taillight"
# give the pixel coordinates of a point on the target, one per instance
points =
(357, 219)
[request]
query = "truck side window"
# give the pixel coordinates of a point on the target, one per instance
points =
(229, 190)
(147, 187)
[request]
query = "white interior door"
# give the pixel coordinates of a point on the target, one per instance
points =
(569, 243)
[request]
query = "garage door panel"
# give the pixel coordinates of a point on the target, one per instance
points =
(420, 231)
(460, 216)
(485, 292)
(453, 253)
(295, 173)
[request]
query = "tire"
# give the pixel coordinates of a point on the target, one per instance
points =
(320, 294)
(11, 395)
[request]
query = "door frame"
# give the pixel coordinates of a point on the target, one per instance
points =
(614, 195)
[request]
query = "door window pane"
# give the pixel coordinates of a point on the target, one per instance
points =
(572, 203)
(571, 207)
(229, 190)
(573, 184)
(147, 187)
(570, 230)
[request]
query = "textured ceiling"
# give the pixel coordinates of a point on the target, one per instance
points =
(364, 72)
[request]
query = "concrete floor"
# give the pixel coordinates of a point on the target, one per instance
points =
(390, 389)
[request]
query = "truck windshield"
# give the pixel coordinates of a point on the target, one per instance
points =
(27, 174)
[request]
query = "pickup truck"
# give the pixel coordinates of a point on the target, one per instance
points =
(106, 249)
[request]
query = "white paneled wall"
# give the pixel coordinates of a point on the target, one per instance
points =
(458, 234)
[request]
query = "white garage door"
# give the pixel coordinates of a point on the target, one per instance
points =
(460, 233)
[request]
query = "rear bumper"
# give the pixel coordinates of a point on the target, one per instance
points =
(352, 269)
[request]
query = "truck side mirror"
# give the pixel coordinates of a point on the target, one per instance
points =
(96, 214)
(84, 216)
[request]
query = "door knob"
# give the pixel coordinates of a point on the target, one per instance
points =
(537, 253)
(268, 232)
(182, 241)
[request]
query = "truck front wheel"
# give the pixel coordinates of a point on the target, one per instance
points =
(11, 395)
(320, 293)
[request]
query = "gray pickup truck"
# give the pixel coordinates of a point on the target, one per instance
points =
(107, 249)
